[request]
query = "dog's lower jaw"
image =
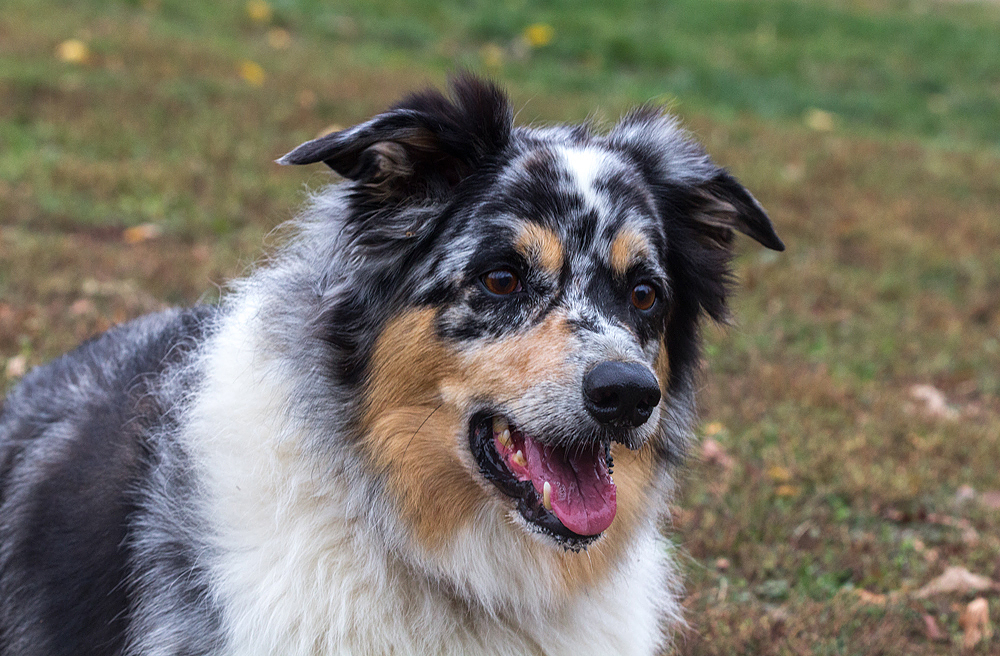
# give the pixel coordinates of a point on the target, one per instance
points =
(298, 568)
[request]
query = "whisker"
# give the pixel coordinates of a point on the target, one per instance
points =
(426, 419)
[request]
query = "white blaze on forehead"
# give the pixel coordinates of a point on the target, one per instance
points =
(585, 165)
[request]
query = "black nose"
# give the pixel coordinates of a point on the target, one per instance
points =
(620, 392)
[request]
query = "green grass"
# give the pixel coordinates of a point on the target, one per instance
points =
(877, 69)
(840, 480)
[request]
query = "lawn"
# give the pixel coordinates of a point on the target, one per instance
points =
(850, 433)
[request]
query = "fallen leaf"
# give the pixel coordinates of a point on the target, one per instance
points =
(935, 402)
(872, 598)
(713, 429)
(713, 453)
(252, 73)
(141, 233)
(539, 34)
(17, 366)
(786, 491)
(779, 474)
(956, 579)
(259, 11)
(73, 51)
(932, 629)
(82, 306)
(819, 120)
(975, 623)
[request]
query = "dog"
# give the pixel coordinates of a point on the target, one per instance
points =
(444, 418)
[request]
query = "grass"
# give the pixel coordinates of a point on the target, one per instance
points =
(871, 132)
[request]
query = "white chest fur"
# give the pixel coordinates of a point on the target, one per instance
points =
(296, 571)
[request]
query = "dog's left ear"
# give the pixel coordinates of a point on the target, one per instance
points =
(689, 183)
(421, 147)
(723, 205)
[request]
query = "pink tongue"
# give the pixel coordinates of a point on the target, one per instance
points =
(584, 497)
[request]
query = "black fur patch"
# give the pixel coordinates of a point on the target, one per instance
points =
(72, 456)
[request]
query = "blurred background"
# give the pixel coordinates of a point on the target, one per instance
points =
(844, 497)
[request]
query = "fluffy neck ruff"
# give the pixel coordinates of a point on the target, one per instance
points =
(308, 557)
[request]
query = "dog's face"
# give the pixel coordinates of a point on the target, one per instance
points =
(523, 325)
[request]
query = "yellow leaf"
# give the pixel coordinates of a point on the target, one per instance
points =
(713, 429)
(819, 120)
(252, 73)
(259, 11)
(786, 491)
(779, 474)
(141, 233)
(539, 34)
(73, 51)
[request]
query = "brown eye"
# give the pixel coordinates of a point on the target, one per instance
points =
(643, 296)
(502, 282)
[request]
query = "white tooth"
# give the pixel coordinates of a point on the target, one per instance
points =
(519, 459)
(499, 425)
(547, 495)
(505, 438)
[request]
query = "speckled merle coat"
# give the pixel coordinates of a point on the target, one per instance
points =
(443, 419)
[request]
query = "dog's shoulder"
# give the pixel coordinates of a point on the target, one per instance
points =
(106, 373)
(72, 457)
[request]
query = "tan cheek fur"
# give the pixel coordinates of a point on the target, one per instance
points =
(417, 395)
(410, 434)
(505, 370)
(541, 246)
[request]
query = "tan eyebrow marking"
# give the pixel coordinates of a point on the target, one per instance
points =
(541, 245)
(628, 246)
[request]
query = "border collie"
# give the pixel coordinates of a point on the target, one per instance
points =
(444, 418)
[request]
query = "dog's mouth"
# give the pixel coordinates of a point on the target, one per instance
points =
(568, 493)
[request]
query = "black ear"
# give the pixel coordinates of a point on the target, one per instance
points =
(424, 145)
(723, 205)
(681, 169)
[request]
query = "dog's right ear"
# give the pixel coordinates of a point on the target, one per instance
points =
(423, 146)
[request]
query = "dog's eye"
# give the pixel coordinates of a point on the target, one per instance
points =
(643, 296)
(502, 282)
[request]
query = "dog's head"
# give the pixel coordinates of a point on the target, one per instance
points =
(518, 309)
